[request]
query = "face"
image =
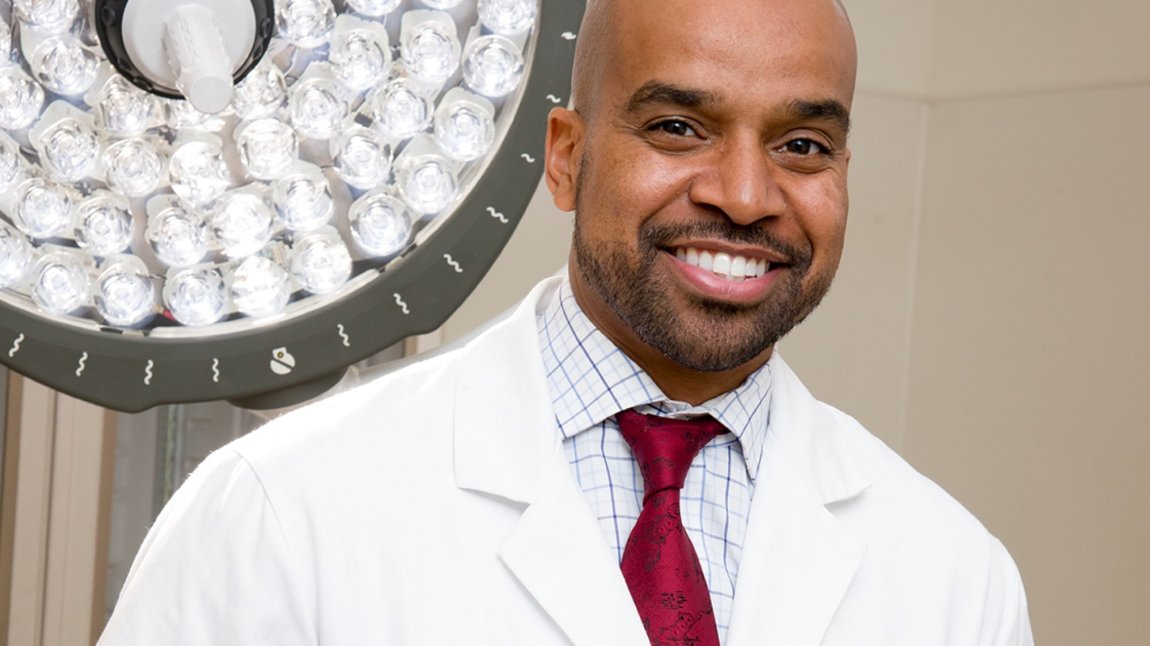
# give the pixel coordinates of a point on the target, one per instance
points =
(707, 163)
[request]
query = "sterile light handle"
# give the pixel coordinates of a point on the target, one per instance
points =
(199, 57)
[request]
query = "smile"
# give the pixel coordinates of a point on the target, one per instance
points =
(730, 267)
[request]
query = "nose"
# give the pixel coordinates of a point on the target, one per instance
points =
(738, 180)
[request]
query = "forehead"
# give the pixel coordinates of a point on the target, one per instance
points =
(752, 50)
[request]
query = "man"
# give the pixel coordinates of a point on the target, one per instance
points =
(489, 495)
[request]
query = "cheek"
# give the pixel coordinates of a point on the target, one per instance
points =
(621, 191)
(821, 213)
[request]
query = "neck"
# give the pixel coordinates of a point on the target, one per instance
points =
(691, 386)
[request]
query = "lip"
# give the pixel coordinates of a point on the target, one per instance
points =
(709, 285)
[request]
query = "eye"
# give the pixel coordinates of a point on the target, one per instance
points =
(805, 147)
(674, 127)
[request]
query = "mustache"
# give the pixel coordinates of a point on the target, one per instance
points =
(656, 236)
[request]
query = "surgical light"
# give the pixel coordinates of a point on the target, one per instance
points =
(190, 186)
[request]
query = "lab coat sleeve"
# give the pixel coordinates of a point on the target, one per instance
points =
(215, 570)
(1008, 619)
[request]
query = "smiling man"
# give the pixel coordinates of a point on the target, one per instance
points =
(624, 459)
(708, 171)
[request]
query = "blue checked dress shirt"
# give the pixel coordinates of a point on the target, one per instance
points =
(590, 380)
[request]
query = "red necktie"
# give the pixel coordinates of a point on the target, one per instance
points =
(659, 562)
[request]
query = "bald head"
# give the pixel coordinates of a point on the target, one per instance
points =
(609, 23)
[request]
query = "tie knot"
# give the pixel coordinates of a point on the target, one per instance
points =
(665, 447)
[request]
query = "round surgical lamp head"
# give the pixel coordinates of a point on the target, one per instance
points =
(238, 199)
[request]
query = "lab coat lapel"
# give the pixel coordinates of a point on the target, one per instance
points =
(798, 558)
(558, 553)
(556, 550)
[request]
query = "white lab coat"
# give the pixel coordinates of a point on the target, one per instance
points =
(435, 506)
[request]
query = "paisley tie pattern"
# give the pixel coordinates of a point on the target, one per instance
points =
(659, 561)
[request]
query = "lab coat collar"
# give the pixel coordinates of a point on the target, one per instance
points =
(556, 550)
(814, 438)
(505, 452)
(798, 560)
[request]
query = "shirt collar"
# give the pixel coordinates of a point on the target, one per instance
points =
(590, 380)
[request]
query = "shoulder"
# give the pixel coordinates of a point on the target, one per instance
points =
(926, 551)
(413, 402)
(370, 413)
(915, 506)
(906, 518)
(901, 515)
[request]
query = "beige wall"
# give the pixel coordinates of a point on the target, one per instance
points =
(990, 314)
(1028, 358)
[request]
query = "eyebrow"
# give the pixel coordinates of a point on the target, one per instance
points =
(828, 110)
(664, 93)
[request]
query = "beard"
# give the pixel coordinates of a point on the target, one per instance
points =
(703, 334)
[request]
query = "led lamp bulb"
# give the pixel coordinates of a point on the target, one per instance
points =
(21, 98)
(47, 16)
(507, 17)
(429, 45)
(177, 235)
(196, 296)
(361, 158)
(321, 262)
(42, 209)
(16, 256)
(198, 173)
(401, 110)
(305, 23)
(493, 66)
(317, 107)
(241, 224)
(66, 141)
(360, 53)
(61, 282)
(125, 293)
(426, 178)
(465, 125)
(133, 167)
(123, 110)
(104, 224)
(69, 150)
(262, 92)
(267, 147)
(64, 65)
(380, 224)
(302, 198)
(260, 287)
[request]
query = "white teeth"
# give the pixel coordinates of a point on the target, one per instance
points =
(739, 267)
(723, 264)
(706, 261)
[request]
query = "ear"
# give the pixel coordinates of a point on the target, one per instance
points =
(565, 131)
